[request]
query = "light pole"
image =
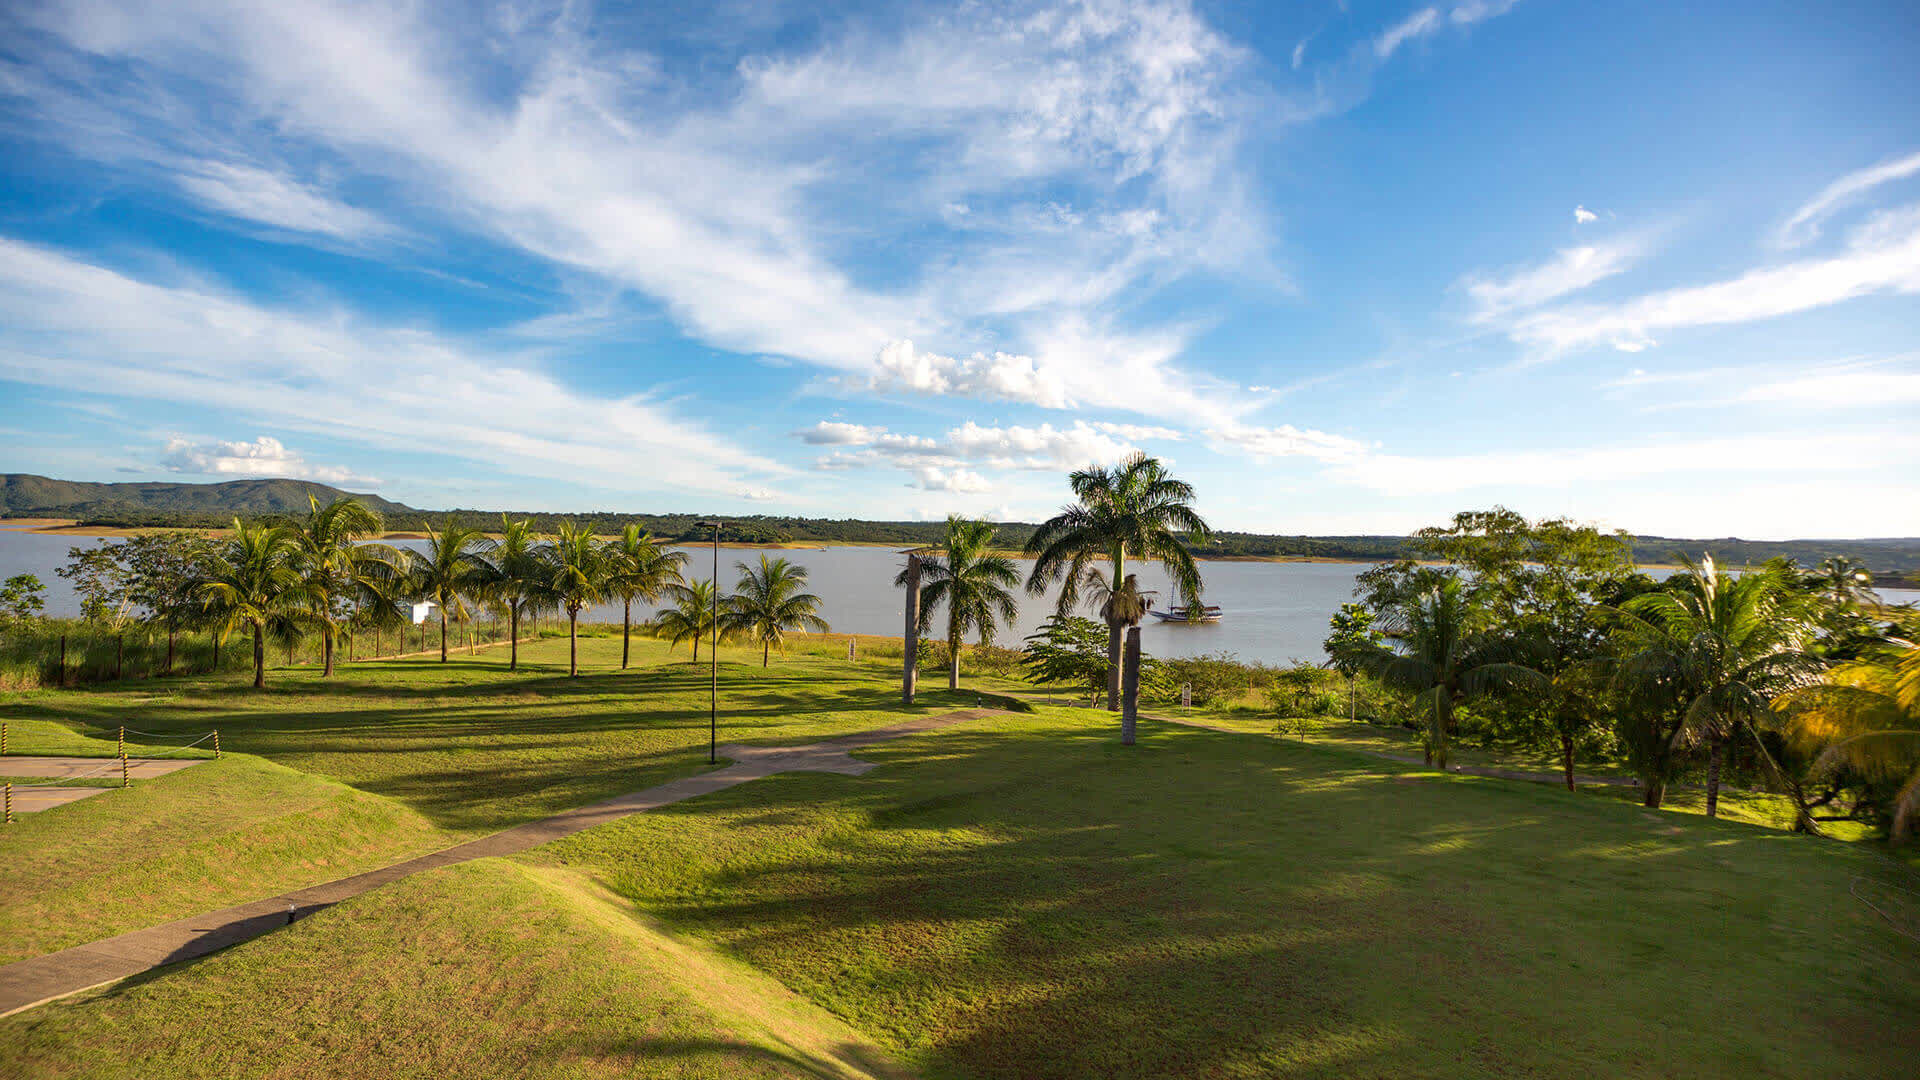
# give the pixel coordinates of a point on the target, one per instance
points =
(713, 652)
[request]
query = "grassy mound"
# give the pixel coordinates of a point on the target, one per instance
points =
(217, 834)
(482, 970)
(1023, 898)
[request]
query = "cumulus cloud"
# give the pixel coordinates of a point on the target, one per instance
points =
(1584, 216)
(758, 494)
(997, 376)
(1805, 223)
(835, 433)
(959, 481)
(265, 456)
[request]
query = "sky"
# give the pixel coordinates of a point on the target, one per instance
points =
(1348, 267)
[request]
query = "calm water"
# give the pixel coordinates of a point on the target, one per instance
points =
(1274, 612)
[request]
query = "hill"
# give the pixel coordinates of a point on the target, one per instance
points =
(22, 494)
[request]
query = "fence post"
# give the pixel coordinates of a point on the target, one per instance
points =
(3, 740)
(216, 742)
(123, 769)
(120, 744)
(9, 802)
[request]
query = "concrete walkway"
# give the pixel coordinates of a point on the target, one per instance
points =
(27, 983)
(65, 768)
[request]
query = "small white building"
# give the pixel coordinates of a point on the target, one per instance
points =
(421, 610)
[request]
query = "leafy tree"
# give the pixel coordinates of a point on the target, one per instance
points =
(1719, 649)
(637, 566)
(1068, 649)
(768, 602)
(691, 616)
(252, 581)
(1865, 718)
(449, 569)
(1350, 643)
(1442, 656)
(1135, 508)
(577, 578)
(100, 579)
(22, 599)
(972, 582)
(332, 559)
(164, 572)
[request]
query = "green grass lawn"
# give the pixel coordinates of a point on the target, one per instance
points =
(1025, 899)
(484, 970)
(1014, 897)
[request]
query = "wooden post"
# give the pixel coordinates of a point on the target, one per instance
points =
(63, 661)
(910, 654)
(1129, 685)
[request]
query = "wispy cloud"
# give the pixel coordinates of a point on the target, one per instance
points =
(276, 200)
(328, 374)
(1569, 271)
(1805, 223)
(1881, 256)
(1264, 443)
(1431, 20)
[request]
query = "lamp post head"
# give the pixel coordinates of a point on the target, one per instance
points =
(709, 524)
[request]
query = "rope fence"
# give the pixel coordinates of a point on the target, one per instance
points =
(120, 761)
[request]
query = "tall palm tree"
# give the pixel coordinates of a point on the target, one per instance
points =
(691, 616)
(331, 559)
(1134, 509)
(768, 602)
(1843, 583)
(448, 569)
(972, 582)
(253, 581)
(1442, 656)
(517, 575)
(577, 577)
(1867, 718)
(637, 566)
(1722, 648)
(381, 592)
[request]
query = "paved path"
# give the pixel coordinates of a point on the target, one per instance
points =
(27, 983)
(29, 798)
(68, 767)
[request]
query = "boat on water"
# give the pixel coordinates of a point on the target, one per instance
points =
(1208, 614)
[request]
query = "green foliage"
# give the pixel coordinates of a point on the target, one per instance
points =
(973, 583)
(768, 602)
(1068, 649)
(22, 599)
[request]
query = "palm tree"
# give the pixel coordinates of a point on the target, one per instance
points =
(448, 569)
(577, 577)
(972, 582)
(1867, 718)
(380, 595)
(517, 575)
(330, 560)
(251, 582)
(1135, 509)
(637, 566)
(1721, 649)
(1442, 657)
(768, 602)
(1843, 583)
(691, 616)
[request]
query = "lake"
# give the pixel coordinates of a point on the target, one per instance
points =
(1274, 612)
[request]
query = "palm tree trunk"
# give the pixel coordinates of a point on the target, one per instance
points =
(1114, 633)
(1442, 714)
(1713, 776)
(513, 627)
(953, 655)
(216, 650)
(696, 648)
(1566, 758)
(443, 633)
(626, 630)
(765, 646)
(1352, 709)
(1130, 682)
(259, 656)
(326, 647)
(573, 641)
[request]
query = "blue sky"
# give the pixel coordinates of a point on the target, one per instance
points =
(1348, 266)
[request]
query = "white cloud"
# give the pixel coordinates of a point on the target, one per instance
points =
(960, 481)
(558, 140)
(758, 494)
(1881, 256)
(1263, 443)
(264, 456)
(835, 433)
(1804, 225)
(1570, 270)
(327, 373)
(1840, 390)
(1584, 216)
(255, 194)
(999, 376)
(1138, 431)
